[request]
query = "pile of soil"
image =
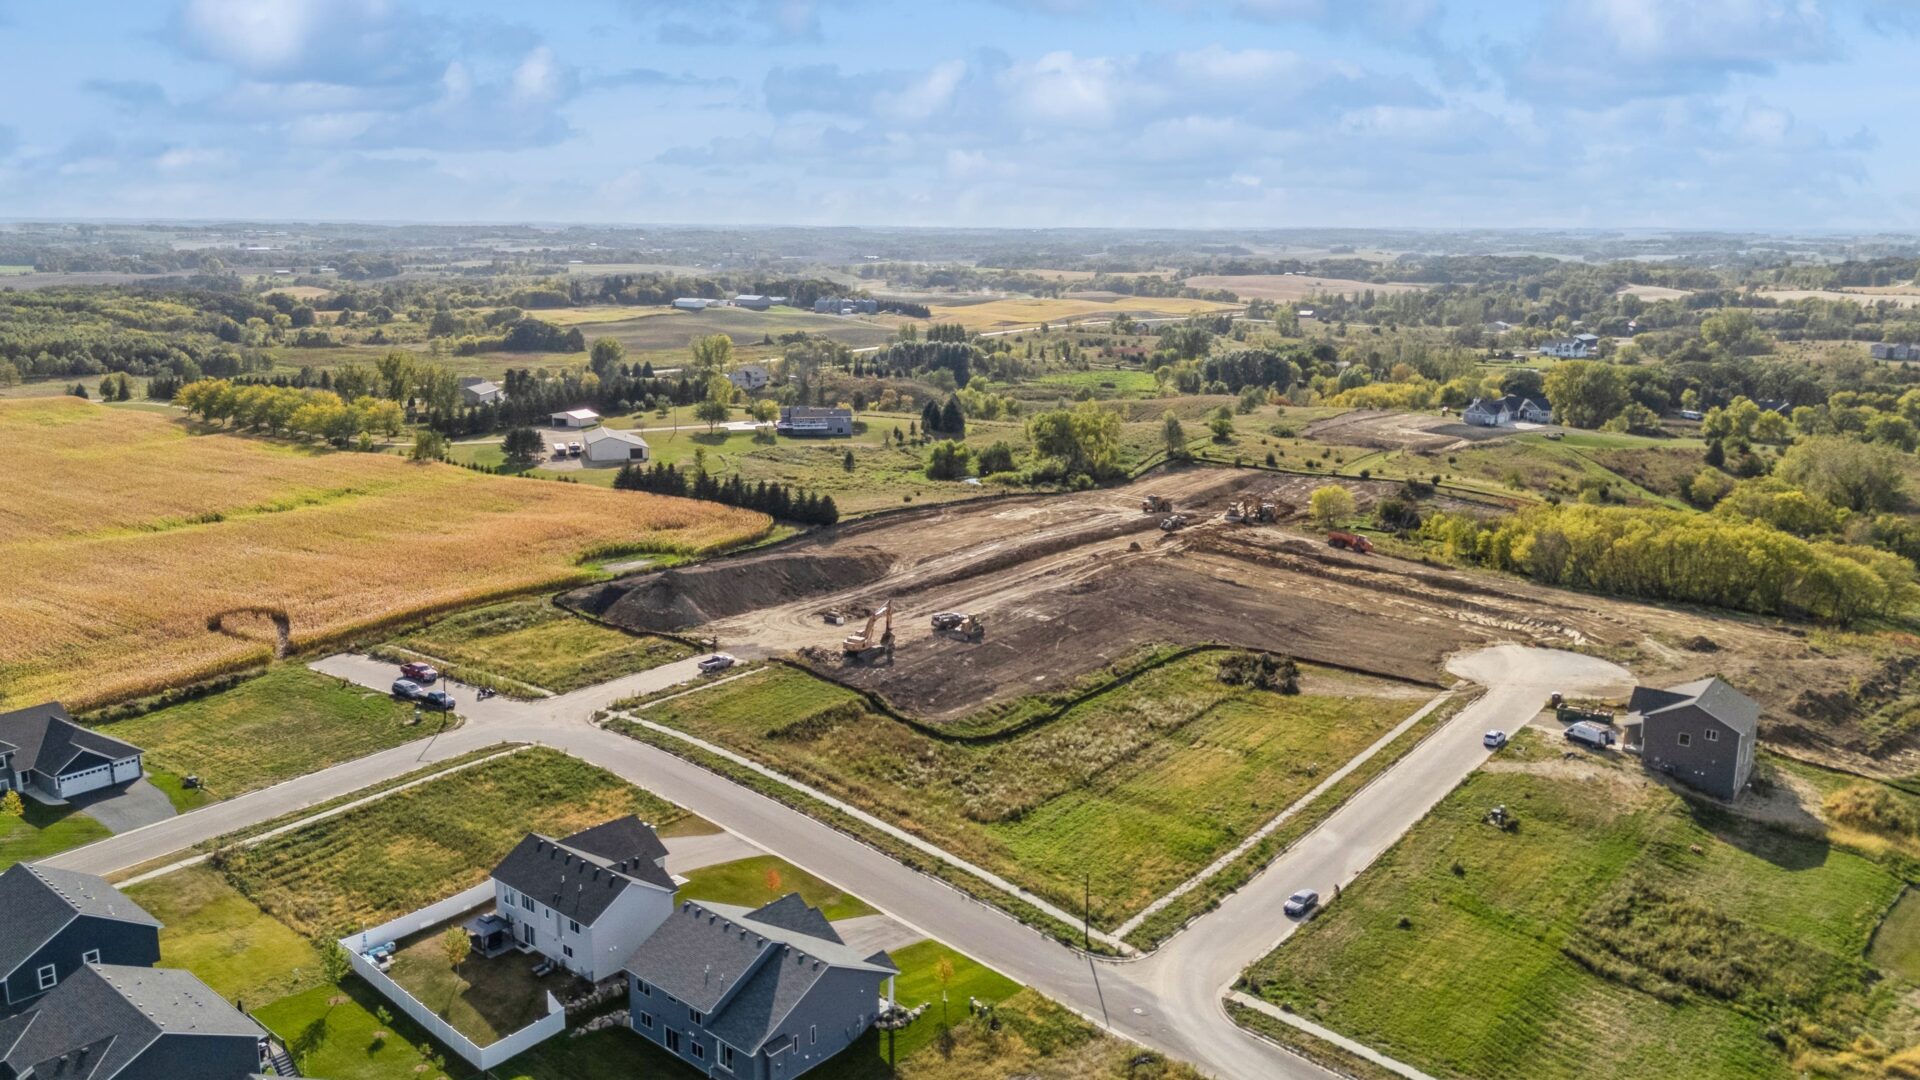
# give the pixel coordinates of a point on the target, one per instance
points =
(679, 599)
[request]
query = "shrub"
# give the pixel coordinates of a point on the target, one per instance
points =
(1873, 808)
(1263, 671)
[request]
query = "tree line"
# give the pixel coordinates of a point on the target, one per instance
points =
(773, 499)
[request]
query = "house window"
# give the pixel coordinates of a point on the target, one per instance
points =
(694, 1016)
(1712, 734)
(699, 1049)
(641, 985)
(91, 956)
(813, 1034)
(646, 1021)
(573, 925)
(567, 950)
(1686, 739)
(527, 902)
(673, 1040)
(726, 1057)
(506, 896)
(48, 976)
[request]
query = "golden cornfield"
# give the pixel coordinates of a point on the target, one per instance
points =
(122, 535)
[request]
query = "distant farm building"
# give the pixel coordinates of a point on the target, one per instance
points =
(576, 418)
(607, 446)
(1577, 347)
(1883, 351)
(809, 420)
(753, 302)
(695, 303)
(475, 390)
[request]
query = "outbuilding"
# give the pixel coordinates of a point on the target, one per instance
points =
(576, 418)
(606, 447)
(1701, 733)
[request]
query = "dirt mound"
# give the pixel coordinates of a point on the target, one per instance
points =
(678, 599)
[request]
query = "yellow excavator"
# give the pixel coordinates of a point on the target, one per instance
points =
(864, 646)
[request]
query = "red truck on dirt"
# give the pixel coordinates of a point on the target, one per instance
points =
(1350, 541)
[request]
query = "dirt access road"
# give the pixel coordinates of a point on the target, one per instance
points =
(1071, 583)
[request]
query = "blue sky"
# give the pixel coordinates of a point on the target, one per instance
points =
(1791, 114)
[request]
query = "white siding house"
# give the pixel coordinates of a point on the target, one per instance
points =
(588, 901)
(749, 377)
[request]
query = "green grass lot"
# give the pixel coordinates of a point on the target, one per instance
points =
(1896, 944)
(288, 722)
(10, 270)
(42, 831)
(1620, 929)
(1104, 382)
(336, 1032)
(426, 843)
(1532, 465)
(531, 643)
(680, 329)
(219, 935)
(744, 882)
(1139, 787)
(176, 790)
(485, 1000)
(919, 983)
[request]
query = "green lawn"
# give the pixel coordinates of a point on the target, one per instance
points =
(745, 882)
(532, 643)
(44, 830)
(288, 722)
(919, 983)
(429, 842)
(485, 1000)
(1139, 787)
(336, 1033)
(1127, 381)
(1896, 944)
(1468, 951)
(220, 936)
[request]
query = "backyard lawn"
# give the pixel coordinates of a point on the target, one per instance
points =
(1139, 787)
(745, 882)
(484, 999)
(220, 936)
(531, 643)
(44, 830)
(1617, 930)
(288, 722)
(338, 1032)
(428, 842)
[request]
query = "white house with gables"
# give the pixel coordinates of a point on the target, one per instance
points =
(1507, 411)
(586, 902)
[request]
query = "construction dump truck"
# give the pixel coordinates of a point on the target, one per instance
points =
(1156, 504)
(866, 646)
(959, 624)
(1353, 542)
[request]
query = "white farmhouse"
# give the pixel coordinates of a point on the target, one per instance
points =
(750, 377)
(588, 901)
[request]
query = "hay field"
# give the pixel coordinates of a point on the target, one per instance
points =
(1866, 297)
(1286, 287)
(604, 313)
(1654, 293)
(1026, 311)
(123, 534)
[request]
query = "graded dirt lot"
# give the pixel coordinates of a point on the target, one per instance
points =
(1384, 429)
(1070, 583)
(1292, 286)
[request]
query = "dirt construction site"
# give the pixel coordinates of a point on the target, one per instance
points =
(1066, 584)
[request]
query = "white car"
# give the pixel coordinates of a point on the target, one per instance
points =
(717, 662)
(1494, 740)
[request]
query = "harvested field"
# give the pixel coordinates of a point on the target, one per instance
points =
(1285, 287)
(1387, 430)
(1071, 583)
(126, 537)
(1654, 293)
(1029, 311)
(1863, 297)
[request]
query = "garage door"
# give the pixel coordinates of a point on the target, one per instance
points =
(124, 771)
(85, 780)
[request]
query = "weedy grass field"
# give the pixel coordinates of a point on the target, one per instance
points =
(145, 556)
(526, 644)
(1030, 311)
(286, 723)
(428, 842)
(1138, 787)
(1287, 287)
(1616, 930)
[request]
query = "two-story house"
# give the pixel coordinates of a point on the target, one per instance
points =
(587, 901)
(1701, 733)
(58, 921)
(130, 1023)
(44, 753)
(758, 994)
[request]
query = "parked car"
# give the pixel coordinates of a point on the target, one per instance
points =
(1494, 740)
(437, 700)
(717, 662)
(421, 673)
(407, 689)
(1301, 904)
(1590, 735)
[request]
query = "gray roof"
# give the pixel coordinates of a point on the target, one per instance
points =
(1714, 696)
(40, 901)
(48, 740)
(104, 1017)
(582, 875)
(746, 968)
(808, 412)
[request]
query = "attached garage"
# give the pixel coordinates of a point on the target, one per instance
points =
(43, 752)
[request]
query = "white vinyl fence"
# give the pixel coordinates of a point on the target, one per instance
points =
(480, 1057)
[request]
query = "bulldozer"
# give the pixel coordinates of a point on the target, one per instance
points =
(1172, 522)
(1251, 511)
(965, 626)
(1156, 504)
(864, 647)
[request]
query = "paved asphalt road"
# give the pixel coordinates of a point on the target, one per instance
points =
(1170, 1000)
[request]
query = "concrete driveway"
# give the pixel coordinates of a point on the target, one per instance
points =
(125, 808)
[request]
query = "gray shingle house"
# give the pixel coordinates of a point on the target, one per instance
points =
(475, 390)
(130, 1023)
(760, 994)
(1700, 733)
(813, 420)
(586, 902)
(58, 921)
(44, 753)
(1505, 411)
